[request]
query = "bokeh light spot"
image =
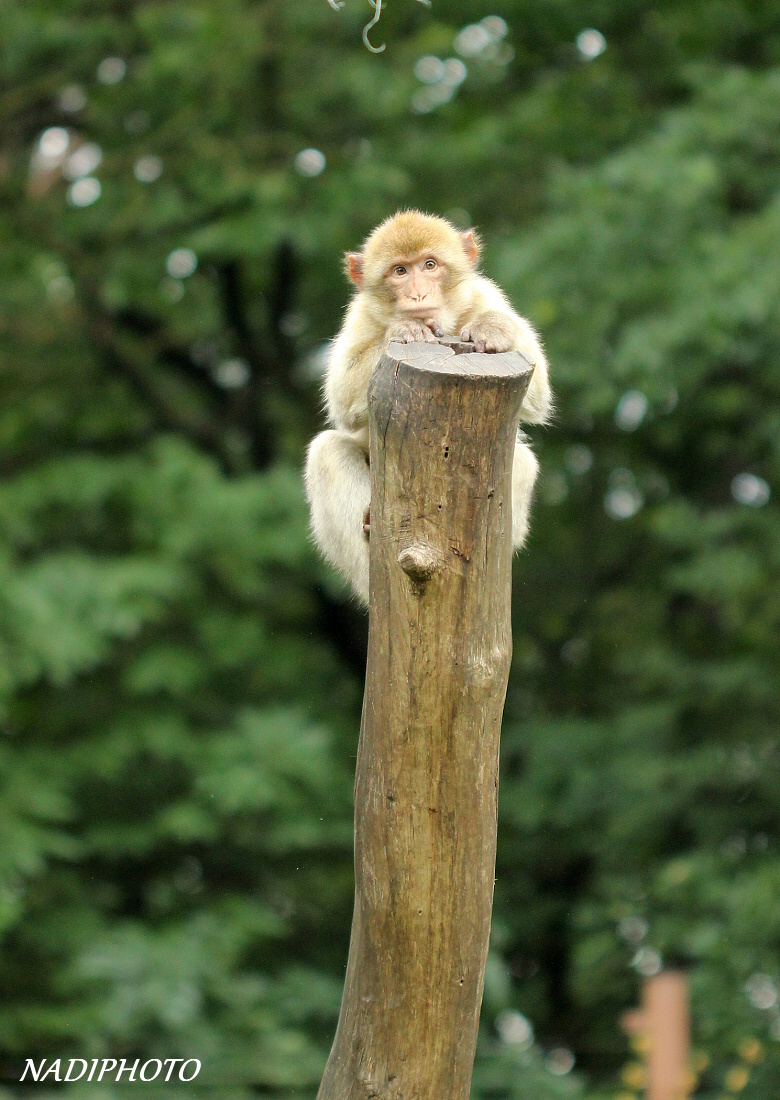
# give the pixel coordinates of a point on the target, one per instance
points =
(111, 70)
(310, 162)
(631, 410)
(559, 1061)
(71, 99)
(762, 992)
(647, 961)
(633, 929)
(515, 1029)
(455, 72)
(750, 489)
(232, 374)
(429, 70)
(84, 192)
(428, 99)
(590, 43)
(53, 143)
(472, 40)
(181, 263)
(147, 169)
(83, 161)
(495, 26)
(578, 459)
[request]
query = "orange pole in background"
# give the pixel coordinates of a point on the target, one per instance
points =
(664, 1020)
(666, 1005)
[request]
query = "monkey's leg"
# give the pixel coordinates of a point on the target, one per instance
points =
(525, 468)
(338, 488)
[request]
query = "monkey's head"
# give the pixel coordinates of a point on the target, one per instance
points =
(412, 261)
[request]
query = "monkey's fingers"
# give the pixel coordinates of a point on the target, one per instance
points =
(435, 327)
(367, 522)
(412, 333)
(421, 334)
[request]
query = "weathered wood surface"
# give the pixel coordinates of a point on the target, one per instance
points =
(442, 435)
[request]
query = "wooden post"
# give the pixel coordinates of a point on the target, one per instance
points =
(664, 1021)
(442, 437)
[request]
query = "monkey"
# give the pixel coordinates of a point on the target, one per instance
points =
(415, 278)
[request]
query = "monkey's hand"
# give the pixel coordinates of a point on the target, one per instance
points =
(491, 332)
(367, 522)
(412, 331)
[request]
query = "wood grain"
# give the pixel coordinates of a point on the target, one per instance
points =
(442, 436)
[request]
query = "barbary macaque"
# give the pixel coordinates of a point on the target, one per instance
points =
(416, 279)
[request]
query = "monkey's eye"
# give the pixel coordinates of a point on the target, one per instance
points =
(399, 270)
(431, 264)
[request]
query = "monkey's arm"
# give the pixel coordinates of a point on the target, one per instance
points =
(355, 355)
(492, 312)
(353, 358)
(338, 488)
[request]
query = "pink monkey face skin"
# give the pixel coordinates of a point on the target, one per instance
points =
(417, 286)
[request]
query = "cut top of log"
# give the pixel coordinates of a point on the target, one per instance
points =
(456, 358)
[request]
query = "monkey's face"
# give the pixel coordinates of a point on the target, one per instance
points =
(416, 286)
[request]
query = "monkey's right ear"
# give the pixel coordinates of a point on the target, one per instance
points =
(353, 265)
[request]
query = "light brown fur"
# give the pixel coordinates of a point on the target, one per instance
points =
(440, 290)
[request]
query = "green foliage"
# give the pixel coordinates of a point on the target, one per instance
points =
(180, 677)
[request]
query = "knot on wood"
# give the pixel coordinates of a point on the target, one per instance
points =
(418, 562)
(484, 668)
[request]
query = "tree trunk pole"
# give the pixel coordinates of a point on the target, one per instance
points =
(442, 438)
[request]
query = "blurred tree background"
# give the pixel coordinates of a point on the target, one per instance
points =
(180, 676)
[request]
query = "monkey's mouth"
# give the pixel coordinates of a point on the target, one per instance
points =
(423, 313)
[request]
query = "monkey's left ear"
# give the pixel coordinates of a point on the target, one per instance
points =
(471, 245)
(353, 265)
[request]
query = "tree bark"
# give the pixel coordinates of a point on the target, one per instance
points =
(442, 437)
